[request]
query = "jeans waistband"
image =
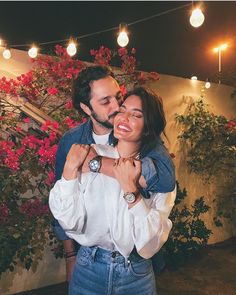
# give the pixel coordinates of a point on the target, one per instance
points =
(106, 255)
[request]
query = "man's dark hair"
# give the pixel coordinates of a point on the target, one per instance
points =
(154, 117)
(81, 91)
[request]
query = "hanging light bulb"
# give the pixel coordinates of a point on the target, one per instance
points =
(33, 52)
(122, 38)
(194, 78)
(207, 85)
(6, 53)
(197, 18)
(71, 48)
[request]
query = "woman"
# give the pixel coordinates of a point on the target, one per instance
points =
(117, 229)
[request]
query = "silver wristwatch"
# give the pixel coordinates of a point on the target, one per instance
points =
(130, 197)
(95, 164)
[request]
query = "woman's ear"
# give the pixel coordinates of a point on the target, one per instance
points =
(86, 109)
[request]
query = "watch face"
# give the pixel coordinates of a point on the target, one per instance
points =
(95, 164)
(130, 198)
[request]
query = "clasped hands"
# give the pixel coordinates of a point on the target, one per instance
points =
(127, 171)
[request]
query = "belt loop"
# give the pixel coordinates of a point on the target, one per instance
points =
(94, 253)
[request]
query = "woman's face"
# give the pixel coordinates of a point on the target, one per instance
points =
(129, 122)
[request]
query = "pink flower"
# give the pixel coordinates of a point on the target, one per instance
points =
(34, 208)
(50, 178)
(52, 91)
(122, 51)
(69, 105)
(123, 90)
(18, 129)
(26, 120)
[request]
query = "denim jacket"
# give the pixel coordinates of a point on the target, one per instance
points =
(157, 166)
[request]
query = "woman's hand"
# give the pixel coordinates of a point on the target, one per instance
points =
(127, 171)
(74, 160)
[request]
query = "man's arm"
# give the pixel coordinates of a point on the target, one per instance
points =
(70, 247)
(158, 171)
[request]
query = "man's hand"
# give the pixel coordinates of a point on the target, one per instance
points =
(74, 160)
(70, 262)
(91, 154)
(127, 171)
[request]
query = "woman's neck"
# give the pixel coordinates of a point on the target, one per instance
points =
(128, 149)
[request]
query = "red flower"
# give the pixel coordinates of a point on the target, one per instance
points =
(52, 91)
(123, 90)
(69, 105)
(122, 51)
(26, 120)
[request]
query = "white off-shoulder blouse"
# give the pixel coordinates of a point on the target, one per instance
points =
(92, 211)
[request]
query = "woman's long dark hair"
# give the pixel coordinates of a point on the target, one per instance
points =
(154, 117)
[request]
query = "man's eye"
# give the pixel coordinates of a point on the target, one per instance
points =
(119, 97)
(104, 102)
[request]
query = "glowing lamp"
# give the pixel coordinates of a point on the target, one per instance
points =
(71, 48)
(123, 38)
(194, 78)
(33, 52)
(207, 85)
(6, 53)
(197, 18)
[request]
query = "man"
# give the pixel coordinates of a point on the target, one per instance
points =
(97, 94)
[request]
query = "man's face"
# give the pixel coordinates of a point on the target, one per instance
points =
(105, 100)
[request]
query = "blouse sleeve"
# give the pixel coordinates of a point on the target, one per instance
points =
(151, 225)
(67, 205)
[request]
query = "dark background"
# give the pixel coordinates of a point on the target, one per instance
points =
(167, 44)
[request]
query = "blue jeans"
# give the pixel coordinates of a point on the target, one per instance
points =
(101, 272)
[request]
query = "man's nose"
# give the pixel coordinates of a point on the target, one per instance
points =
(115, 105)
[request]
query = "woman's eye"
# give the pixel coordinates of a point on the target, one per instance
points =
(137, 115)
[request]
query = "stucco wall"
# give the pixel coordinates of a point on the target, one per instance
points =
(176, 93)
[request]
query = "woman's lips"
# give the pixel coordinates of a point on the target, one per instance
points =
(123, 127)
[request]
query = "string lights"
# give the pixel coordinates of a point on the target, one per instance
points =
(122, 39)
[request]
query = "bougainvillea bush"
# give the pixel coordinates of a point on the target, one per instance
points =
(28, 146)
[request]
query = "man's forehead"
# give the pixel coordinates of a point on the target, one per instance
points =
(104, 88)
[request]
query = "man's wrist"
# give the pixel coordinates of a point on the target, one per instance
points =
(70, 254)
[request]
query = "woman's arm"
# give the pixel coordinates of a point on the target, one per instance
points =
(151, 225)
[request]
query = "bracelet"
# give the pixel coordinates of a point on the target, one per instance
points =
(70, 254)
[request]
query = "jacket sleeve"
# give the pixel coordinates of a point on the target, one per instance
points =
(151, 225)
(158, 170)
(60, 162)
(67, 205)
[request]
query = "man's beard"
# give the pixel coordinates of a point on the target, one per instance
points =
(106, 123)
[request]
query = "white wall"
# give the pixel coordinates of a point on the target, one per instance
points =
(177, 93)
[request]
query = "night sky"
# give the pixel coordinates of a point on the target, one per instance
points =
(167, 44)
